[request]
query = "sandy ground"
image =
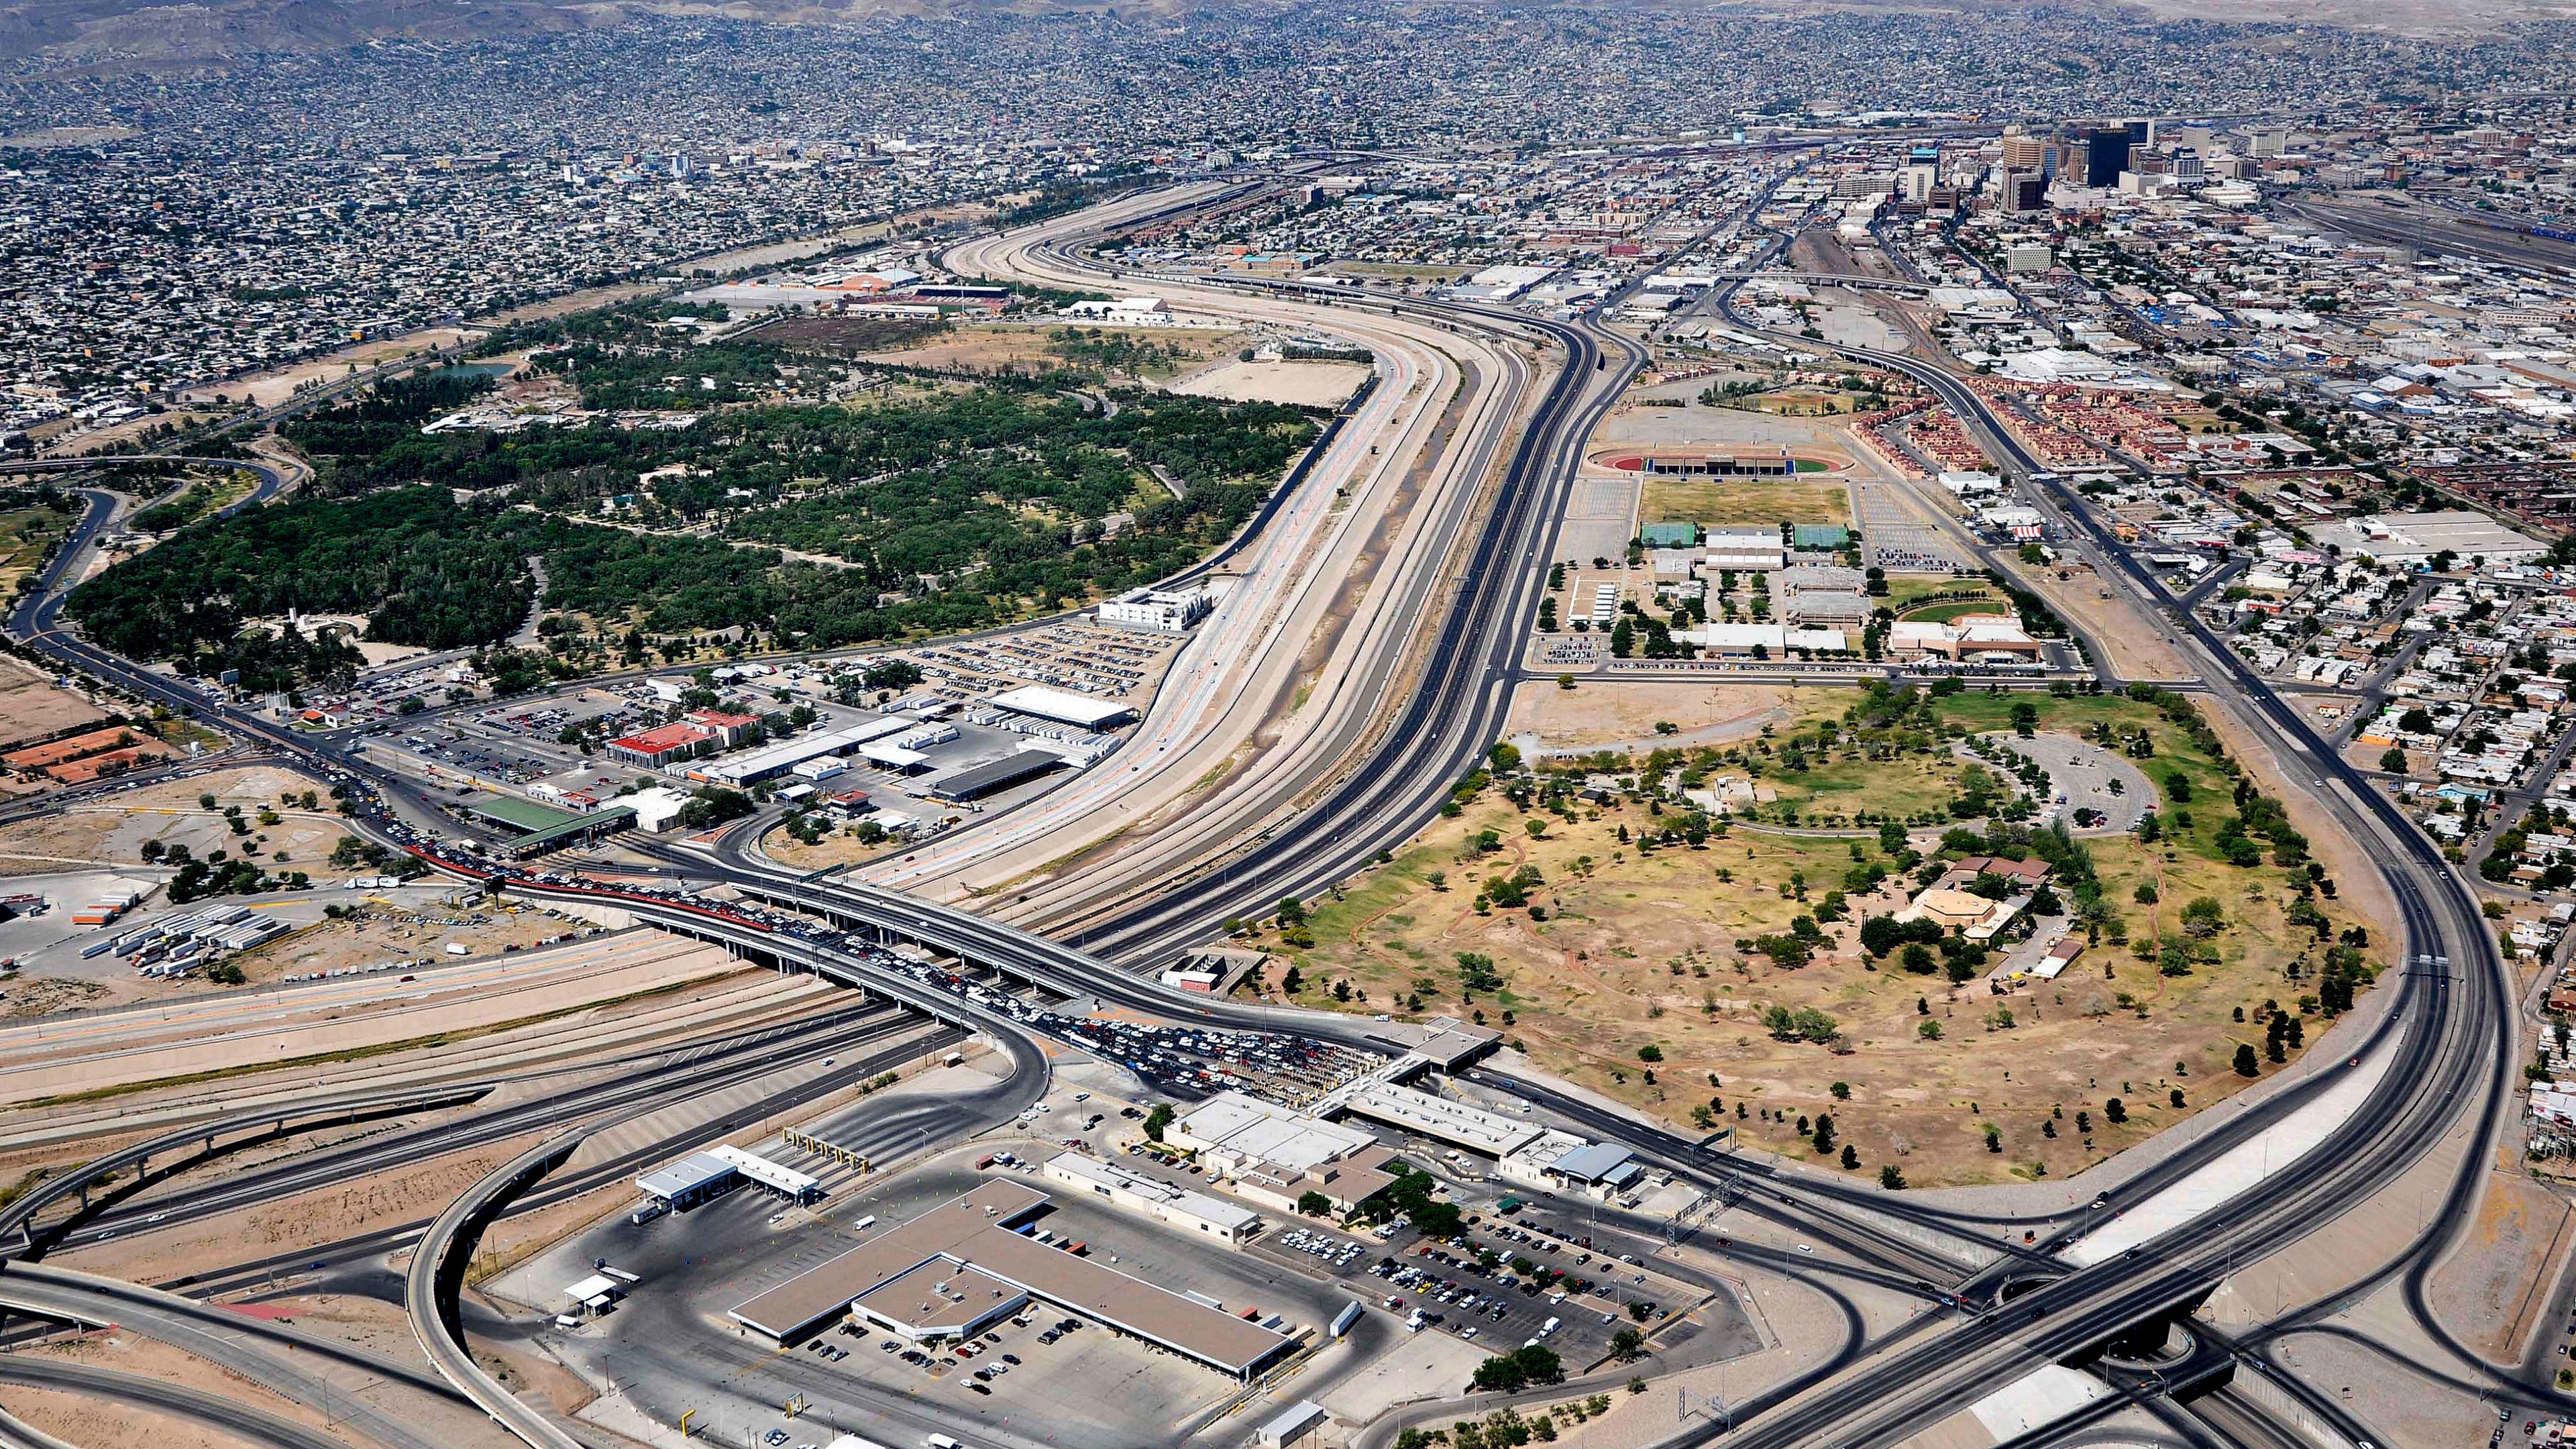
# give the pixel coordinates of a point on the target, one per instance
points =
(1299, 384)
(113, 832)
(30, 706)
(609, 968)
(1642, 951)
(380, 1201)
(384, 932)
(95, 1424)
(2137, 646)
(2492, 1289)
(982, 348)
(1623, 715)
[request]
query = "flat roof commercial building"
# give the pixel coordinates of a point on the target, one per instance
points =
(1452, 1043)
(1163, 1202)
(778, 759)
(1165, 611)
(1234, 1129)
(702, 1176)
(1473, 1128)
(976, 781)
(2416, 537)
(1063, 707)
(1293, 1426)
(975, 1234)
(537, 828)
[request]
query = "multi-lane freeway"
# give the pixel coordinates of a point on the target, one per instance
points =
(1427, 680)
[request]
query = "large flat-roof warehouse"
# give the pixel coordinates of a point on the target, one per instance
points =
(976, 1267)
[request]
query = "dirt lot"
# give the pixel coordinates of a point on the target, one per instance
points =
(268, 389)
(107, 1426)
(371, 1204)
(30, 706)
(1627, 951)
(1301, 384)
(989, 347)
(1623, 715)
(1747, 502)
(838, 848)
(380, 930)
(99, 1424)
(2137, 647)
(113, 831)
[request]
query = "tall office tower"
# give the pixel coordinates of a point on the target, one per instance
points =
(2024, 153)
(2106, 155)
(2025, 191)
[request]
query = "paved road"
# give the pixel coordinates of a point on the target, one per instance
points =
(2450, 1028)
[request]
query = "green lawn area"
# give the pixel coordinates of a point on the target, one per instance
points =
(1747, 502)
(2211, 787)
(1904, 590)
(1902, 788)
(1944, 613)
(25, 535)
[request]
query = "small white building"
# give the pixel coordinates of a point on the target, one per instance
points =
(1165, 611)
(658, 809)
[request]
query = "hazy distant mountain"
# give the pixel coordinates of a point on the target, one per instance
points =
(76, 33)
(146, 32)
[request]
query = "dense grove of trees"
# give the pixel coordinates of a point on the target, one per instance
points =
(422, 570)
(374, 437)
(948, 508)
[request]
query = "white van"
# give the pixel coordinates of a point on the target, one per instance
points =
(1547, 1328)
(942, 1441)
(865, 1223)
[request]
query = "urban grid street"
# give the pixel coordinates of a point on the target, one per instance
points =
(850, 729)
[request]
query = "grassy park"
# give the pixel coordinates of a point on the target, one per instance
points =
(1714, 970)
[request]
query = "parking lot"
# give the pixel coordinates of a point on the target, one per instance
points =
(1045, 1375)
(1087, 658)
(1508, 1286)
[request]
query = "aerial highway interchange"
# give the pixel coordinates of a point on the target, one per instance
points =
(1363, 660)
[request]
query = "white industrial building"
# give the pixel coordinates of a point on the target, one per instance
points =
(701, 1176)
(1776, 641)
(774, 760)
(656, 810)
(1474, 1128)
(1232, 1131)
(1165, 611)
(1062, 706)
(1228, 1223)
(2413, 538)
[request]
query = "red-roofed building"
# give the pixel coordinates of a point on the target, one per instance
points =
(730, 728)
(657, 747)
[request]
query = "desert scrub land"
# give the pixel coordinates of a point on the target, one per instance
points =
(1729, 974)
